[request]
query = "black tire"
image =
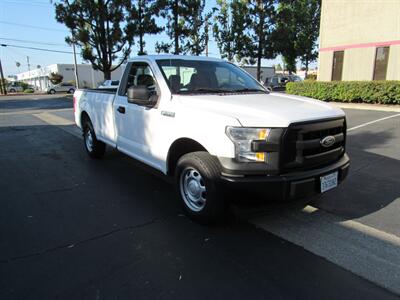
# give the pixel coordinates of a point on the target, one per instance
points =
(208, 168)
(52, 91)
(12, 90)
(97, 148)
(71, 91)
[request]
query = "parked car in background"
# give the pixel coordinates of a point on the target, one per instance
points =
(279, 81)
(109, 84)
(14, 87)
(63, 87)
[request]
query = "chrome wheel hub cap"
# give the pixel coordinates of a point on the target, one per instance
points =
(89, 140)
(192, 189)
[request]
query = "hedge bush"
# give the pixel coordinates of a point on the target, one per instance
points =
(384, 92)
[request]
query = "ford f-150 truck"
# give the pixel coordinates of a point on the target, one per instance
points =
(213, 127)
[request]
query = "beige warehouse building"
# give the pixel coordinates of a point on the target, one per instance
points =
(359, 40)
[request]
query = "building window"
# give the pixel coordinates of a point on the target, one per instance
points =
(381, 62)
(337, 65)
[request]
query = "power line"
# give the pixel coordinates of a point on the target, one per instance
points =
(34, 48)
(33, 42)
(32, 26)
(12, 52)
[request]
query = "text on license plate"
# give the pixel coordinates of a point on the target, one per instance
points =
(329, 181)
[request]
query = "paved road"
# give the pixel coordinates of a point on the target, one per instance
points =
(34, 102)
(74, 228)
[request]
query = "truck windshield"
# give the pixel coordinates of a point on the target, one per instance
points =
(201, 76)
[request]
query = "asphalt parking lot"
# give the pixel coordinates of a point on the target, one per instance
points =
(74, 228)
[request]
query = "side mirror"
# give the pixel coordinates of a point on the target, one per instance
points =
(140, 95)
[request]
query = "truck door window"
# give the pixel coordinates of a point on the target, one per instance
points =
(140, 74)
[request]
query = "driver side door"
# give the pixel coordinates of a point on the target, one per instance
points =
(133, 121)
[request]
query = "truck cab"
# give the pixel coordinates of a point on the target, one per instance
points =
(213, 127)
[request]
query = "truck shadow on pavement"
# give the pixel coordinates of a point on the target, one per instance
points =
(72, 226)
(372, 184)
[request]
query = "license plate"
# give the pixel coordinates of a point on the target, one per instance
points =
(329, 182)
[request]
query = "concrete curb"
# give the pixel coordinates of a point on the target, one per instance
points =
(366, 106)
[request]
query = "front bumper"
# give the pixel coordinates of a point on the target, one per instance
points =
(289, 186)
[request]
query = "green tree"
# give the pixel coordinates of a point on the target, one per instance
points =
(285, 33)
(175, 12)
(142, 20)
(97, 27)
(223, 30)
(55, 78)
(308, 31)
(196, 22)
(230, 25)
(297, 30)
(260, 20)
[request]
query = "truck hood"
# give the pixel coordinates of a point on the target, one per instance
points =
(263, 110)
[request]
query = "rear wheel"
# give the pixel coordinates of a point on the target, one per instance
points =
(52, 91)
(71, 91)
(93, 146)
(12, 91)
(196, 179)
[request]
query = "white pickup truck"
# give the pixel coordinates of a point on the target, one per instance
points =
(214, 128)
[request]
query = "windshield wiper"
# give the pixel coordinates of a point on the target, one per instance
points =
(211, 90)
(248, 90)
(205, 90)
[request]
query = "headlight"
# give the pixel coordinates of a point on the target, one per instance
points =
(243, 137)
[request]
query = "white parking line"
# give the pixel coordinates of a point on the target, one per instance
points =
(60, 122)
(361, 249)
(372, 122)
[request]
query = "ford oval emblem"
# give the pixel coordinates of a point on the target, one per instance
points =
(328, 141)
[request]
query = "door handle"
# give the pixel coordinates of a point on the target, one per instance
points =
(121, 109)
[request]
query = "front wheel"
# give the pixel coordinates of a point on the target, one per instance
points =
(93, 146)
(52, 92)
(197, 176)
(71, 91)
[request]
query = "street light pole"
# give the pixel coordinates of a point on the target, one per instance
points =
(75, 65)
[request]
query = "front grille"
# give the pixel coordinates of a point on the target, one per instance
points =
(301, 144)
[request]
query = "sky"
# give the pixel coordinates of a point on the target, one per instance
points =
(32, 24)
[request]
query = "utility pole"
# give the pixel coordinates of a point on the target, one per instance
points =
(207, 37)
(3, 83)
(29, 65)
(75, 66)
